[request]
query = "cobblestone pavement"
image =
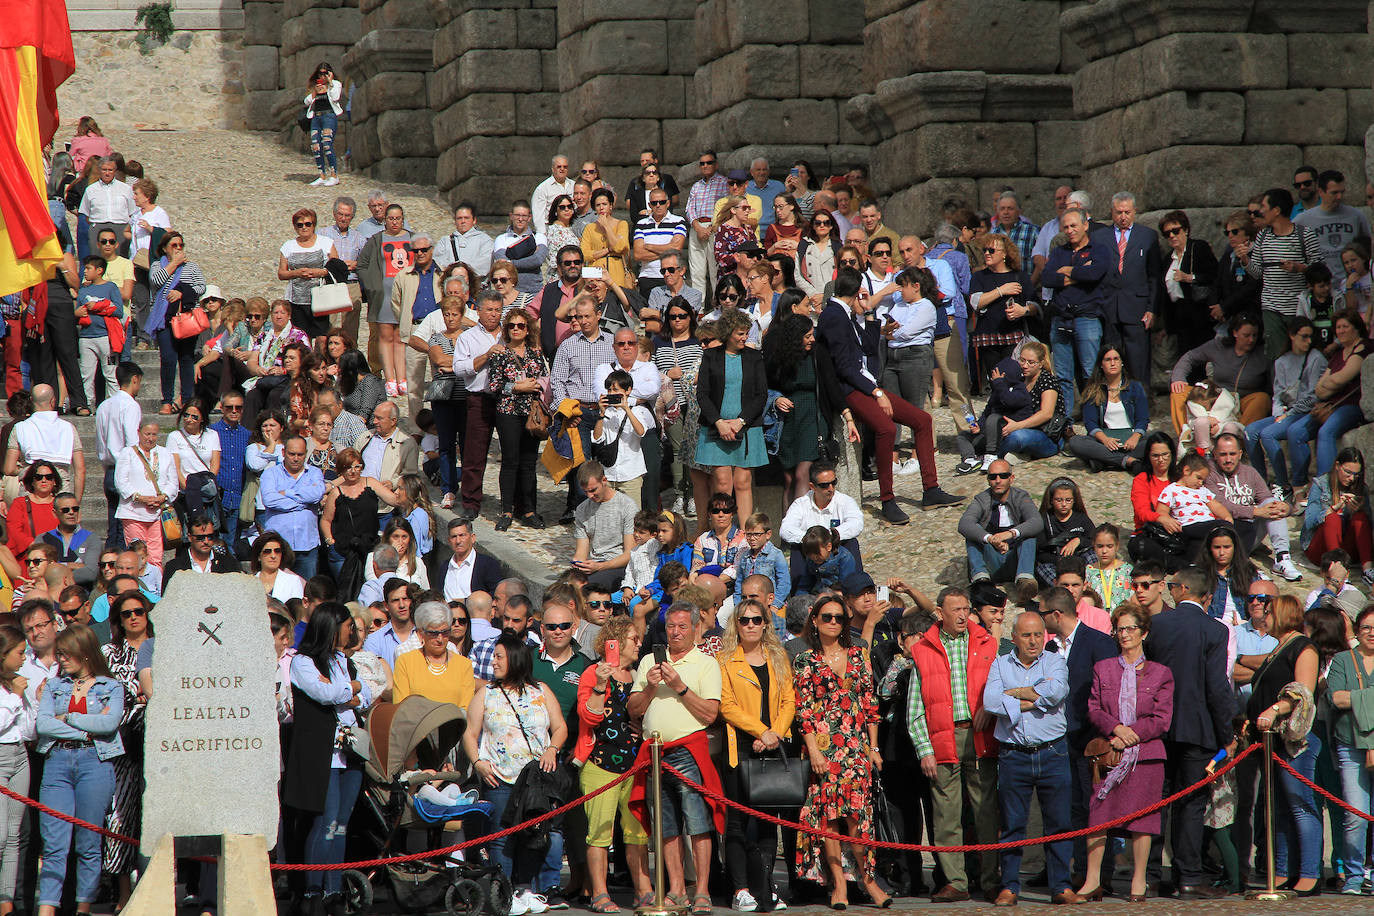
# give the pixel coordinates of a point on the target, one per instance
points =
(232, 193)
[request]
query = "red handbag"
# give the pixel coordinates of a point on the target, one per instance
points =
(190, 323)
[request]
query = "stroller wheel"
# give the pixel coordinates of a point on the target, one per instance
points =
(500, 893)
(465, 897)
(356, 892)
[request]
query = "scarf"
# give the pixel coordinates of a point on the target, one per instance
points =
(1126, 710)
(157, 318)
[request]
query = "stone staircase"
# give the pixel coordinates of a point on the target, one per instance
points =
(93, 508)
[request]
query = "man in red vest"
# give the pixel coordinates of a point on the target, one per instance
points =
(952, 734)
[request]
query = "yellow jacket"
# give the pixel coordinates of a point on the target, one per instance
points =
(594, 239)
(740, 695)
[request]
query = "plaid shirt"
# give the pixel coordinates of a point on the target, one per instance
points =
(574, 366)
(233, 442)
(701, 199)
(1023, 234)
(348, 427)
(484, 651)
(956, 650)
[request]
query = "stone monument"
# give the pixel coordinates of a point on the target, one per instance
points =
(211, 751)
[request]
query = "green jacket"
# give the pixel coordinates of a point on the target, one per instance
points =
(1352, 727)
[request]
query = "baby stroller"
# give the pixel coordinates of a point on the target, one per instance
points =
(420, 734)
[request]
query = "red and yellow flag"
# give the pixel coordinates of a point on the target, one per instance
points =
(35, 57)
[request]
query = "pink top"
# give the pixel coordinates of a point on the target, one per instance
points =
(85, 147)
(1095, 617)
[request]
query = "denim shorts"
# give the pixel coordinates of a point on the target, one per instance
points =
(681, 805)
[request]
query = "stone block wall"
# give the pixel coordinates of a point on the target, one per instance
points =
(392, 130)
(771, 80)
(951, 117)
(312, 31)
(1181, 107)
(494, 90)
(262, 22)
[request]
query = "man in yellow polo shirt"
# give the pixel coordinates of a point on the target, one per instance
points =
(677, 698)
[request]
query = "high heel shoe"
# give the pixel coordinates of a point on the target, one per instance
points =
(1286, 884)
(1093, 896)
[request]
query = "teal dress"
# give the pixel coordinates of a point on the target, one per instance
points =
(803, 424)
(745, 452)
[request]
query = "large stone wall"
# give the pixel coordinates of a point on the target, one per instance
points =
(392, 135)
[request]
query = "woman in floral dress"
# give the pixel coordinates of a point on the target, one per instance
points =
(516, 375)
(129, 628)
(838, 713)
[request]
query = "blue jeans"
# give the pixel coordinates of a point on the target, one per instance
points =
(1265, 439)
(231, 524)
(335, 561)
(682, 805)
(1031, 443)
(1070, 337)
(507, 859)
(984, 560)
(307, 562)
(322, 128)
(329, 832)
(114, 531)
(76, 782)
(1357, 788)
(1297, 819)
(1045, 772)
(178, 356)
(83, 237)
(1342, 420)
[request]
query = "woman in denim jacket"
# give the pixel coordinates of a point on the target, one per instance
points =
(78, 729)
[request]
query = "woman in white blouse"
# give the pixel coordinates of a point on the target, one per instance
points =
(146, 478)
(264, 450)
(18, 718)
(400, 535)
(271, 562)
(196, 453)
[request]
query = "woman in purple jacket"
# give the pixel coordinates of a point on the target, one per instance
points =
(1131, 705)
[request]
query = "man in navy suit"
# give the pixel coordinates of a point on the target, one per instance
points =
(468, 571)
(1131, 286)
(851, 337)
(1194, 647)
(1084, 647)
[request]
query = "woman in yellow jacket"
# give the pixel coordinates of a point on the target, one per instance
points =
(606, 241)
(757, 705)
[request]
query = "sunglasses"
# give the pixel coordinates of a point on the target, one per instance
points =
(460, 621)
(1000, 475)
(271, 550)
(229, 407)
(1235, 232)
(132, 612)
(1262, 599)
(45, 476)
(106, 242)
(1304, 184)
(105, 563)
(418, 250)
(203, 537)
(1146, 583)
(435, 634)
(176, 245)
(566, 207)
(513, 325)
(822, 222)
(1177, 230)
(34, 561)
(599, 603)
(848, 262)
(500, 279)
(658, 203)
(66, 509)
(678, 316)
(754, 621)
(825, 484)
(558, 627)
(671, 270)
(728, 297)
(830, 618)
(706, 162)
(256, 316)
(588, 171)
(1255, 213)
(571, 263)
(719, 511)
(304, 225)
(651, 171)
(379, 621)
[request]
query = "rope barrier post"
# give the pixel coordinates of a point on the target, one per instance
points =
(659, 907)
(1270, 892)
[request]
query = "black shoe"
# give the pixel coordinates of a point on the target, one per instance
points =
(503, 523)
(1200, 892)
(893, 514)
(936, 497)
(566, 518)
(532, 520)
(870, 471)
(335, 905)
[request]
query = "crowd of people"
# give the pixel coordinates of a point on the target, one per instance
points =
(663, 367)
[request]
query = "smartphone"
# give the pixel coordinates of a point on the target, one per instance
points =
(883, 593)
(660, 654)
(796, 172)
(613, 653)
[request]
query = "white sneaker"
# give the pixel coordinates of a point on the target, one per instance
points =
(678, 506)
(691, 506)
(778, 903)
(987, 461)
(331, 181)
(908, 467)
(317, 182)
(518, 907)
(744, 902)
(534, 903)
(1285, 568)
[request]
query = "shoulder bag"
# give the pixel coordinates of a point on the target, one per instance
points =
(608, 453)
(1359, 679)
(330, 298)
(171, 524)
(440, 388)
(538, 422)
(189, 323)
(1103, 757)
(774, 783)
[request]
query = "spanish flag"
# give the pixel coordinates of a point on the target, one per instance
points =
(35, 57)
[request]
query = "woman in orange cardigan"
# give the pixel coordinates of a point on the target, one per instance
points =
(758, 705)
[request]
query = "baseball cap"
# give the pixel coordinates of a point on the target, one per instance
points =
(857, 583)
(737, 175)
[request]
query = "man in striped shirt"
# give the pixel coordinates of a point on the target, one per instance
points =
(701, 209)
(656, 234)
(1280, 254)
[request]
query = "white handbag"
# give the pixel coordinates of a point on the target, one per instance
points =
(330, 298)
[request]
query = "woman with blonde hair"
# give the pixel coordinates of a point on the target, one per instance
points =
(758, 706)
(732, 232)
(1041, 434)
(1002, 298)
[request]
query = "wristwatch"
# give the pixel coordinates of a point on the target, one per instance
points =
(878, 392)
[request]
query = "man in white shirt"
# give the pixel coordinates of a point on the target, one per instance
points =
(107, 203)
(468, 571)
(466, 243)
(826, 506)
(47, 436)
(1044, 240)
(655, 235)
(645, 392)
(543, 197)
(473, 349)
(116, 428)
(40, 657)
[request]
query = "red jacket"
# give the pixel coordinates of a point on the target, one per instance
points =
(1145, 490)
(696, 744)
(937, 694)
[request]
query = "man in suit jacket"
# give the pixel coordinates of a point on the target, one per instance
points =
(852, 339)
(199, 554)
(1131, 286)
(388, 453)
(1084, 647)
(468, 571)
(1194, 647)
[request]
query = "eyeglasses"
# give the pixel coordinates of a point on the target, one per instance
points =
(1235, 232)
(434, 634)
(824, 484)
(66, 509)
(830, 618)
(516, 324)
(132, 612)
(175, 245)
(1177, 230)
(419, 250)
(1304, 184)
(999, 475)
(192, 416)
(379, 621)
(883, 253)
(753, 621)
(558, 627)
(271, 551)
(626, 343)
(566, 207)
(598, 603)
(304, 224)
(1128, 629)
(256, 316)
(1173, 585)
(706, 162)
(1262, 599)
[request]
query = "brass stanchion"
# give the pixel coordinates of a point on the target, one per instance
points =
(659, 907)
(1270, 892)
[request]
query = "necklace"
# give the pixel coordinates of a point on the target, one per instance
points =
(434, 669)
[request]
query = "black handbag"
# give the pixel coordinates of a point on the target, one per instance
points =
(773, 783)
(884, 819)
